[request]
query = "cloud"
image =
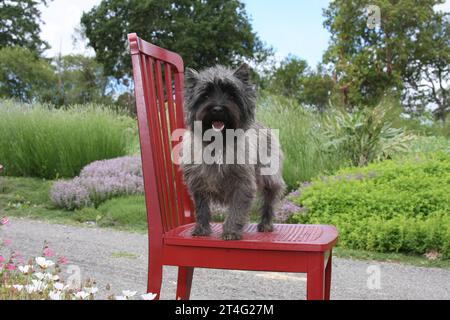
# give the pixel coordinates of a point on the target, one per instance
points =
(60, 18)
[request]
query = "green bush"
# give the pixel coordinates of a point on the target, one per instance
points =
(392, 206)
(37, 140)
(366, 135)
(301, 139)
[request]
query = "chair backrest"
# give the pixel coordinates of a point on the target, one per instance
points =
(158, 84)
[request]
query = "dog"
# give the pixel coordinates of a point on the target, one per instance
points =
(223, 99)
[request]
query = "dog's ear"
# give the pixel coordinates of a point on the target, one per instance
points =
(243, 73)
(190, 77)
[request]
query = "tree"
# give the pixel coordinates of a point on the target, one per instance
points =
(25, 76)
(294, 79)
(203, 32)
(287, 79)
(318, 87)
(19, 24)
(428, 78)
(81, 80)
(370, 63)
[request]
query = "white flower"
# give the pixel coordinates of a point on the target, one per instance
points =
(91, 290)
(149, 296)
(58, 286)
(44, 263)
(121, 298)
(81, 295)
(39, 285)
(30, 288)
(39, 275)
(52, 277)
(18, 287)
(25, 269)
(128, 293)
(55, 295)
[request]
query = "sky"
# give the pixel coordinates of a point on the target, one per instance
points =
(290, 26)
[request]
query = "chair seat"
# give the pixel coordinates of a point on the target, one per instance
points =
(285, 237)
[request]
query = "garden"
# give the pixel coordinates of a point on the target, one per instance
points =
(82, 165)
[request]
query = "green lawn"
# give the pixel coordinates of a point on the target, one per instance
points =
(28, 197)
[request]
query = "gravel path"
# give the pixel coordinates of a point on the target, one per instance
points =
(120, 260)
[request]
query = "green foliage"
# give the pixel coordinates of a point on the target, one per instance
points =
(406, 55)
(294, 79)
(24, 76)
(302, 140)
(203, 32)
(366, 134)
(80, 80)
(20, 24)
(392, 206)
(287, 79)
(317, 90)
(126, 212)
(421, 146)
(43, 142)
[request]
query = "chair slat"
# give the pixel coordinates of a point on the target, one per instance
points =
(162, 76)
(156, 138)
(173, 125)
(164, 129)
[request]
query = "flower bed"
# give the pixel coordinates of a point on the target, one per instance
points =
(99, 181)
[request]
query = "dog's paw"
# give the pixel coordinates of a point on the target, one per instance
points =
(231, 236)
(200, 231)
(265, 227)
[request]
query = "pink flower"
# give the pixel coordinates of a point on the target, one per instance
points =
(7, 242)
(62, 260)
(2, 259)
(48, 252)
(10, 267)
(16, 255)
(4, 221)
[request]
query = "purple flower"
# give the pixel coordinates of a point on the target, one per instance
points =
(99, 181)
(286, 210)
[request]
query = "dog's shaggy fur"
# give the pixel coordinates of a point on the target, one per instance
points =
(225, 96)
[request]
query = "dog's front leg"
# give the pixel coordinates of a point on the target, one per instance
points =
(238, 216)
(203, 216)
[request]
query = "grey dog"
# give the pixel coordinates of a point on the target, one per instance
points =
(221, 99)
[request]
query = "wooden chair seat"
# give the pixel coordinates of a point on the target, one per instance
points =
(285, 237)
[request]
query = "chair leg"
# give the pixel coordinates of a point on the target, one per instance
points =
(315, 283)
(184, 282)
(328, 276)
(155, 274)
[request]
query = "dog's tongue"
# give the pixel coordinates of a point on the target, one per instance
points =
(218, 126)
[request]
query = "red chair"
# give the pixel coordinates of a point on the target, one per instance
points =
(158, 81)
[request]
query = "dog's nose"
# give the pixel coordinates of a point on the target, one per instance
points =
(217, 110)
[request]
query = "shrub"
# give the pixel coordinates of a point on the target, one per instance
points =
(401, 205)
(302, 142)
(365, 135)
(99, 181)
(40, 141)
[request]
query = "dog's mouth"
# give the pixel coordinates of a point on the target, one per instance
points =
(218, 126)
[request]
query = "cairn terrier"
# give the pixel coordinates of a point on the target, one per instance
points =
(221, 102)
